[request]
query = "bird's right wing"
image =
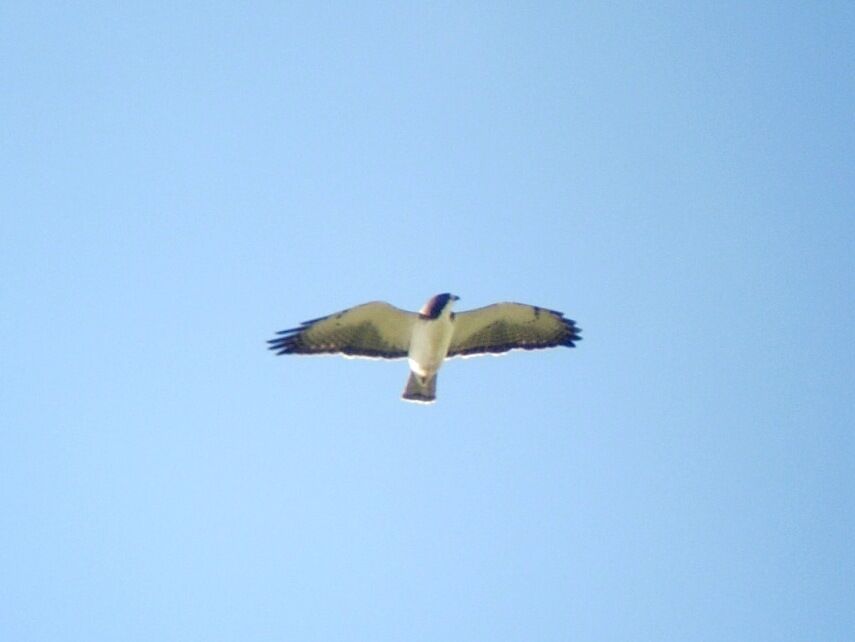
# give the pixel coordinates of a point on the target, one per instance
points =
(510, 326)
(373, 330)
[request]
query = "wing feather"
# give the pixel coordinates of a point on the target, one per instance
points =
(510, 326)
(373, 330)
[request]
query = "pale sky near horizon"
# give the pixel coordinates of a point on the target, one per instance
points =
(178, 183)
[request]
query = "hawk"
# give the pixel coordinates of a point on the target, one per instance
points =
(378, 330)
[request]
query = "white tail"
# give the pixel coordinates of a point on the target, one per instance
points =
(420, 389)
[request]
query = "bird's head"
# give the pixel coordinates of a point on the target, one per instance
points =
(438, 304)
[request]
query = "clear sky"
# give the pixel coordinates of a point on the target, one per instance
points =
(178, 181)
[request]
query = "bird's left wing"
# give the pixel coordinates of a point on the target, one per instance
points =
(373, 330)
(510, 326)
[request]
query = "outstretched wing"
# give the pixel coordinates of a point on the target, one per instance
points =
(374, 330)
(510, 326)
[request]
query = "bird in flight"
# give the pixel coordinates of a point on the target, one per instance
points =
(378, 330)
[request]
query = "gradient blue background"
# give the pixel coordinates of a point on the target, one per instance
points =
(179, 182)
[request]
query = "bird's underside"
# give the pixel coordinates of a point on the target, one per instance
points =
(378, 330)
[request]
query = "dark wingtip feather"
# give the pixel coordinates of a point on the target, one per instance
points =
(572, 332)
(285, 343)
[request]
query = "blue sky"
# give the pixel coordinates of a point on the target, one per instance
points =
(178, 183)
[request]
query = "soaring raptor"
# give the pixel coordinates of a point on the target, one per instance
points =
(378, 330)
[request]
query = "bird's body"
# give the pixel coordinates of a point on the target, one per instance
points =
(427, 338)
(429, 342)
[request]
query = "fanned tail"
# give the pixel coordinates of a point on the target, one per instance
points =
(420, 389)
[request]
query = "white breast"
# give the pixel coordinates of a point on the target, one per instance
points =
(429, 344)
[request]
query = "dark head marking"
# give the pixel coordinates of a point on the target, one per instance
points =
(434, 307)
